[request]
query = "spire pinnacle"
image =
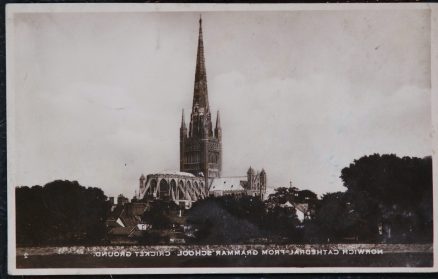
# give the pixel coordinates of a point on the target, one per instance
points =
(218, 121)
(200, 95)
(183, 122)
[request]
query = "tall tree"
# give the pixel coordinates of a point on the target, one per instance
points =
(392, 191)
(61, 212)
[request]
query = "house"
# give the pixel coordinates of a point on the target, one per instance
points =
(124, 223)
(301, 209)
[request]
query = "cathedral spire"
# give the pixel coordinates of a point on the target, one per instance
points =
(200, 145)
(200, 95)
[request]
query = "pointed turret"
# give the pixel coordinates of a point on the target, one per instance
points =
(250, 171)
(263, 183)
(183, 122)
(250, 177)
(200, 95)
(218, 129)
(182, 140)
(218, 121)
(142, 179)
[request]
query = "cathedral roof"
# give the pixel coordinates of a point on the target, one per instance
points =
(226, 184)
(174, 172)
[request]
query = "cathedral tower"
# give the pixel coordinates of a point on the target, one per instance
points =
(200, 148)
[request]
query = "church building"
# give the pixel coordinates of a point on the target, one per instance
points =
(200, 163)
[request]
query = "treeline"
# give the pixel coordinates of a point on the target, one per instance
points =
(388, 199)
(60, 213)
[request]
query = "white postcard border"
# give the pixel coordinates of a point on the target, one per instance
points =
(12, 9)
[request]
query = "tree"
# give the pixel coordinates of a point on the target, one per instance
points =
(336, 219)
(282, 195)
(392, 191)
(293, 195)
(159, 214)
(61, 212)
(227, 219)
(283, 220)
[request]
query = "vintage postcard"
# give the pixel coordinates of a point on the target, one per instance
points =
(165, 138)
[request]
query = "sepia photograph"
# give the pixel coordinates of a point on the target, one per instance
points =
(154, 138)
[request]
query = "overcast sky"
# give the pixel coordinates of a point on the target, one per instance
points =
(301, 94)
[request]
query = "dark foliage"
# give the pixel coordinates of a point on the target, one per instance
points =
(227, 219)
(293, 195)
(160, 214)
(60, 213)
(335, 219)
(282, 222)
(392, 192)
(388, 199)
(164, 218)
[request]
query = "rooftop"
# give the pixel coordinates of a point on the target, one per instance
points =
(174, 172)
(226, 184)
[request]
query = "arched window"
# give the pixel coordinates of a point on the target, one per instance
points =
(164, 192)
(180, 192)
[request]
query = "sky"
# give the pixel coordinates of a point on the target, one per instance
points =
(98, 96)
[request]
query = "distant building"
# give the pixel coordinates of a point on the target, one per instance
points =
(124, 222)
(254, 184)
(122, 199)
(227, 186)
(111, 203)
(301, 210)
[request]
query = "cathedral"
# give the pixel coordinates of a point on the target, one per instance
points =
(200, 155)
(200, 146)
